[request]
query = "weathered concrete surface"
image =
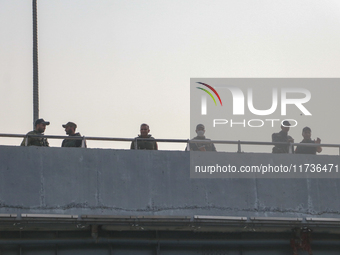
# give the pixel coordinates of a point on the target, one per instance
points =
(124, 182)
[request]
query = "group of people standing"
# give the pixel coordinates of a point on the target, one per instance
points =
(283, 137)
(40, 126)
(147, 141)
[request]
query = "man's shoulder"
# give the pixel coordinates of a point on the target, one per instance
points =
(32, 133)
(307, 141)
(278, 136)
(200, 138)
(148, 137)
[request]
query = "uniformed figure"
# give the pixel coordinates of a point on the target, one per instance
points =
(282, 137)
(70, 129)
(40, 126)
(144, 145)
(200, 131)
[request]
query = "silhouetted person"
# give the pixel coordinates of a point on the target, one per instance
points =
(40, 126)
(282, 137)
(307, 133)
(145, 145)
(70, 129)
(200, 131)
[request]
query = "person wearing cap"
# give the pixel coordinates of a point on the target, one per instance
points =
(282, 137)
(200, 130)
(144, 145)
(70, 129)
(307, 133)
(40, 126)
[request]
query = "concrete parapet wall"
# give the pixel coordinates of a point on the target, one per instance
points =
(124, 182)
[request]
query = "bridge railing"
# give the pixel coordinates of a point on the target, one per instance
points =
(239, 143)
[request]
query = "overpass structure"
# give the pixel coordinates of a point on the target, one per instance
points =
(104, 201)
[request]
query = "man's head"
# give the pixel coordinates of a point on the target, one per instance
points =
(70, 128)
(144, 130)
(40, 125)
(285, 126)
(306, 133)
(200, 130)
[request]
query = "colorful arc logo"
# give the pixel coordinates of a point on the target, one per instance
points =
(212, 89)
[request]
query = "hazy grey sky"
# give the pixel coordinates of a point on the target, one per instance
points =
(111, 65)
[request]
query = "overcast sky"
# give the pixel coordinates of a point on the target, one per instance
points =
(111, 65)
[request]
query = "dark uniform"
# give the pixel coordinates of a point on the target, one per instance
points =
(145, 145)
(71, 142)
(282, 137)
(35, 141)
(306, 149)
(196, 146)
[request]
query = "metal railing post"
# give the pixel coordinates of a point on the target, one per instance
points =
(136, 147)
(290, 148)
(83, 142)
(239, 146)
(26, 141)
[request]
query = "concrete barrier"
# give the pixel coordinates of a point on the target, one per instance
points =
(128, 182)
